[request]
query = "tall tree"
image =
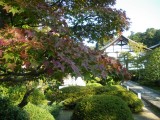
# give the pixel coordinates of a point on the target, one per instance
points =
(42, 39)
(90, 19)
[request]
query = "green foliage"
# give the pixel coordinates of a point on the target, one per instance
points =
(153, 65)
(131, 99)
(94, 84)
(49, 94)
(3, 90)
(37, 97)
(79, 14)
(137, 46)
(128, 58)
(52, 91)
(11, 112)
(149, 38)
(133, 102)
(102, 107)
(49, 51)
(151, 73)
(73, 94)
(54, 109)
(37, 113)
(103, 89)
(14, 93)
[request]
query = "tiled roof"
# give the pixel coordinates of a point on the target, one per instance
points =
(155, 46)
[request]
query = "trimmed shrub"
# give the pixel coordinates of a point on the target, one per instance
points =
(37, 113)
(14, 93)
(104, 89)
(73, 94)
(94, 84)
(54, 109)
(3, 91)
(133, 102)
(37, 97)
(102, 107)
(10, 112)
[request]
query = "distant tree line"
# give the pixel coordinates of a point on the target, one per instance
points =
(149, 38)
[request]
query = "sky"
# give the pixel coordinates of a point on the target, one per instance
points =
(143, 14)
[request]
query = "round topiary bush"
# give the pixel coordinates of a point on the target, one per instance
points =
(102, 107)
(11, 112)
(133, 102)
(37, 113)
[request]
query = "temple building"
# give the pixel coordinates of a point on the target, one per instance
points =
(125, 49)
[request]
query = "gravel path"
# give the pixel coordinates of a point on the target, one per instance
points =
(65, 115)
(147, 114)
(151, 99)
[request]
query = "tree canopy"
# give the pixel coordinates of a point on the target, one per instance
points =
(149, 38)
(151, 61)
(44, 38)
(90, 19)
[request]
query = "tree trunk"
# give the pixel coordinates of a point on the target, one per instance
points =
(97, 46)
(25, 97)
(1, 23)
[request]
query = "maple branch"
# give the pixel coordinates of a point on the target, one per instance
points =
(31, 73)
(11, 79)
(19, 77)
(24, 100)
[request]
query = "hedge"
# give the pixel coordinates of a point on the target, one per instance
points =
(37, 113)
(10, 112)
(102, 107)
(133, 102)
(74, 94)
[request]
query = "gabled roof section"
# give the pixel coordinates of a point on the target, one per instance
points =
(155, 46)
(109, 44)
(121, 38)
